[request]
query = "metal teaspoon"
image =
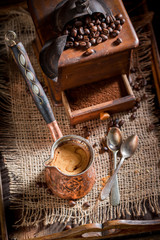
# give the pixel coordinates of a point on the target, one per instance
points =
(127, 149)
(114, 141)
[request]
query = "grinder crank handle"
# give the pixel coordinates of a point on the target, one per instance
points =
(35, 88)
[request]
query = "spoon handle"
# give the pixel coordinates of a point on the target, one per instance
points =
(107, 188)
(115, 196)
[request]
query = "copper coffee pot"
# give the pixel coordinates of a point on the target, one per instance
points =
(63, 185)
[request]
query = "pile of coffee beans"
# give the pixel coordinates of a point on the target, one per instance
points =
(115, 123)
(93, 29)
(103, 146)
(137, 106)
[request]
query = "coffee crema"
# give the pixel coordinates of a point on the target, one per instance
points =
(71, 158)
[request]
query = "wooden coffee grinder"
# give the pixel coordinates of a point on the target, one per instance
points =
(67, 69)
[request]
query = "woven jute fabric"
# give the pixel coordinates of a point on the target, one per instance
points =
(26, 144)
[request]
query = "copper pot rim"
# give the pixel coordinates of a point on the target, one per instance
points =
(67, 138)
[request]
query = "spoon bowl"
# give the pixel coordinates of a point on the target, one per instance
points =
(114, 139)
(129, 146)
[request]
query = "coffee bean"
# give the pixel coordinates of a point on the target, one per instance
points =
(41, 185)
(112, 25)
(86, 205)
(76, 44)
(86, 31)
(93, 34)
(121, 123)
(94, 145)
(133, 117)
(114, 33)
(136, 86)
(104, 25)
(73, 32)
(99, 28)
(111, 19)
(89, 52)
(94, 29)
(105, 148)
(71, 203)
(99, 40)
(80, 37)
(104, 37)
(104, 144)
(106, 31)
(82, 44)
(69, 44)
(78, 23)
(118, 41)
(91, 24)
(122, 21)
(93, 41)
(97, 34)
(138, 99)
(85, 38)
(117, 125)
(66, 32)
(67, 227)
(134, 109)
(119, 27)
(109, 29)
(71, 39)
(116, 121)
(49, 192)
(117, 22)
(81, 31)
(107, 19)
(110, 124)
(88, 45)
(101, 151)
(151, 127)
(137, 104)
(144, 96)
(119, 16)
